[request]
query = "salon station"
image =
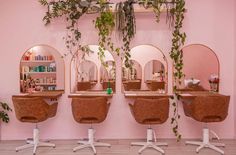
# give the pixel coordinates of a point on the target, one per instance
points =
(115, 77)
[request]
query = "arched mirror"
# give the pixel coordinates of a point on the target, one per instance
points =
(148, 70)
(42, 69)
(87, 72)
(201, 69)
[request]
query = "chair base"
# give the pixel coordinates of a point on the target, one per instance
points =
(35, 143)
(206, 144)
(90, 143)
(149, 143)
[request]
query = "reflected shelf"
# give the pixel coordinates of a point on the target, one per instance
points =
(40, 72)
(46, 84)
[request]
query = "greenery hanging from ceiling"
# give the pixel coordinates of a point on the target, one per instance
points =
(175, 10)
(176, 55)
(126, 27)
(72, 10)
(105, 24)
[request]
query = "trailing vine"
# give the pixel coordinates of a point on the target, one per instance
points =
(105, 24)
(157, 6)
(126, 25)
(176, 55)
(72, 10)
(175, 16)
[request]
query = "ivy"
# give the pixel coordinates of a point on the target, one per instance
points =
(126, 25)
(105, 24)
(175, 15)
(72, 10)
(176, 55)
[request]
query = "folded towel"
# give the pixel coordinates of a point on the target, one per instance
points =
(189, 82)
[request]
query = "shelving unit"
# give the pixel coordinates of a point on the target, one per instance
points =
(38, 69)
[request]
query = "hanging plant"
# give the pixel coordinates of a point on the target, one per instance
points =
(176, 55)
(72, 10)
(157, 6)
(175, 15)
(126, 27)
(105, 24)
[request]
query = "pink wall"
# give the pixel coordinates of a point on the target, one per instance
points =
(235, 64)
(207, 22)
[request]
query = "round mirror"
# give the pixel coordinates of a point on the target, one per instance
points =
(201, 68)
(152, 61)
(41, 69)
(84, 70)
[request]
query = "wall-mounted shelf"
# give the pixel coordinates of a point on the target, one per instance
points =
(38, 61)
(139, 8)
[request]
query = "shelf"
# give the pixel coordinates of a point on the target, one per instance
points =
(40, 72)
(38, 61)
(139, 8)
(90, 94)
(46, 84)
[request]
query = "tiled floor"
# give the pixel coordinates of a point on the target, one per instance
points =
(119, 147)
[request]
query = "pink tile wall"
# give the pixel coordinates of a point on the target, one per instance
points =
(207, 22)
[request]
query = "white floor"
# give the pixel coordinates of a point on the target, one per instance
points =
(119, 147)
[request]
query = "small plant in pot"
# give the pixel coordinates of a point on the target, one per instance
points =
(4, 109)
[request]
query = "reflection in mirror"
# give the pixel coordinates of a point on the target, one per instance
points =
(84, 71)
(132, 73)
(108, 75)
(86, 75)
(154, 77)
(201, 69)
(41, 69)
(131, 76)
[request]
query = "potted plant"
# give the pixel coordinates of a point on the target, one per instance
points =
(4, 109)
